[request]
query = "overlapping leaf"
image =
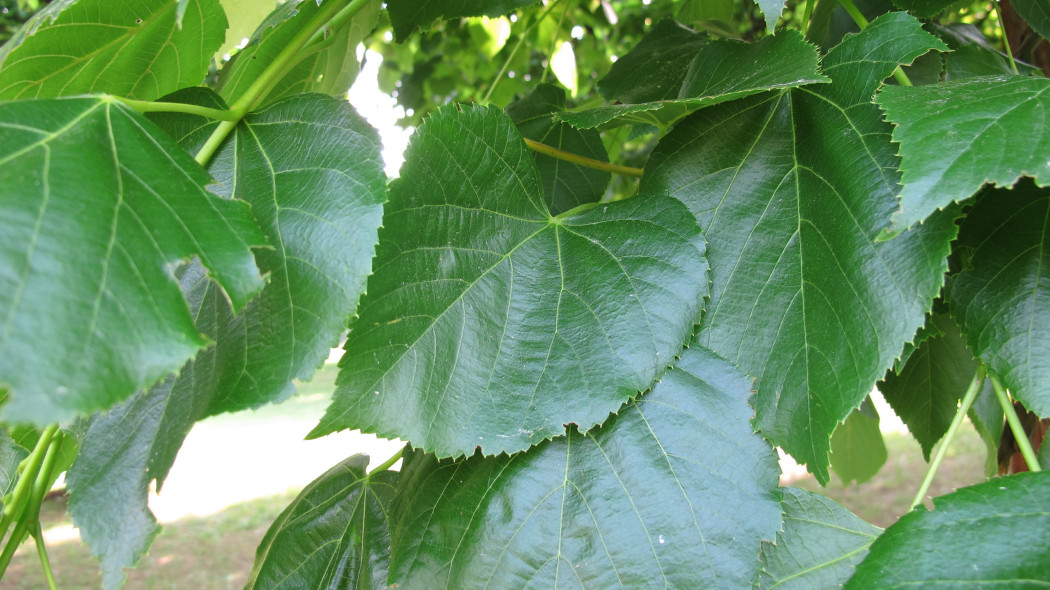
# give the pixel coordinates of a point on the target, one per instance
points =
(857, 448)
(1036, 13)
(988, 535)
(791, 189)
(720, 72)
(676, 491)
(96, 207)
(333, 535)
(820, 545)
(321, 208)
(1001, 299)
(987, 417)
(329, 66)
(654, 69)
(565, 185)
(491, 323)
(409, 15)
(957, 136)
(925, 392)
(137, 50)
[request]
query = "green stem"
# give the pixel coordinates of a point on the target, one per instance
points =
(16, 538)
(14, 509)
(514, 51)
(806, 15)
(1006, 41)
(286, 59)
(581, 160)
(554, 42)
(388, 463)
(29, 519)
(348, 12)
(1015, 426)
(964, 407)
(145, 106)
(862, 22)
(41, 552)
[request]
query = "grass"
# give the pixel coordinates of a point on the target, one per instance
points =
(216, 552)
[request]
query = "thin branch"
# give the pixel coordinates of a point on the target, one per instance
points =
(581, 160)
(1015, 426)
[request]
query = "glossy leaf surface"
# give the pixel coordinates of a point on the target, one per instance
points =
(791, 189)
(925, 392)
(132, 49)
(654, 69)
(1005, 289)
(334, 535)
(565, 185)
(409, 15)
(955, 137)
(857, 448)
(675, 491)
(819, 547)
(721, 71)
(90, 309)
(994, 535)
(491, 323)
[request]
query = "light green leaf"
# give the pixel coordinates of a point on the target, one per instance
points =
(791, 188)
(986, 415)
(565, 185)
(321, 208)
(987, 535)
(925, 392)
(857, 448)
(97, 206)
(333, 535)
(771, 9)
(820, 545)
(11, 454)
(1001, 298)
(134, 50)
(957, 136)
(722, 71)
(491, 323)
(675, 491)
(1036, 13)
(409, 15)
(655, 68)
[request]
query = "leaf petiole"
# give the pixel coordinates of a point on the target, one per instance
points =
(581, 160)
(1020, 435)
(388, 463)
(145, 106)
(1006, 41)
(942, 450)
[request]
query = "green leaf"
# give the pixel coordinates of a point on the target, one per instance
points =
(986, 415)
(321, 208)
(925, 392)
(655, 68)
(136, 50)
(675, 491)
(329, 66)
(857, 448)
(972, 55)
(1005, 290)
(988, 535)
(1036, 13)
(565, 185)
(820, 545)
(11, 454)
(776, 61)
(333, 535)
(957, 136)
(791, 189)
(771, 9)
(244, 16)
(491, 323)
(97, 206)
(409, 15)
(924, 8)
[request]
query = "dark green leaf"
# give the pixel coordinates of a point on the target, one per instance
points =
(565, 185)
(334, 534)
(1036, 13)
(986, 415)
(321, 208)
(675, 491)
(409, 15)
(857, 448)
(820, 545)
(136, 50)
(655, 68)
(924, 8)
(1001, 299)
(925, 392)
(97, 206)
(491, 323)
(957, 136)
(722, 71)
(11, 454)
(988, 535)
(972, 56)
(791, 189)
